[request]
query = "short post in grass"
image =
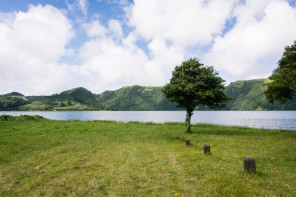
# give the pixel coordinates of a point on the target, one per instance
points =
(187, 142)
(207, 149)
(249, 164)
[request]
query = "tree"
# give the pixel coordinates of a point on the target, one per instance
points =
(282, 85)
(194, 84)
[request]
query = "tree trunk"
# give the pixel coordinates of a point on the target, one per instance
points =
(188, 120)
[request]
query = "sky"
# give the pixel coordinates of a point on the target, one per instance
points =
(48, 46)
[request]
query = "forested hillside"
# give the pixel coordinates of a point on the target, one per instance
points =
(248, 95)
(75, 99)
(12, 101)
(135, 98)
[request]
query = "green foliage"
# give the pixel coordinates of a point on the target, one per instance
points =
(283, 79)
(135, 98)
(248, 95)
(12, 102)
(6, 117)
(21, 117)
(194, 84)
(103, 158)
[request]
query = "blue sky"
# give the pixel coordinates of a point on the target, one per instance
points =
(48, 46)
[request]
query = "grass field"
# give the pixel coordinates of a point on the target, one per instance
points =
(40, 157)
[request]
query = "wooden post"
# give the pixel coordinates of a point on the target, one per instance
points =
(207, 149)
(249, 164)
(187, 142)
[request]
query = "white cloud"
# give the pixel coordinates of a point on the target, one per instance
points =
(251, 48)
(115, 28)
(163, 60)
(108, 65)
(94, 29)
(171, 27)
(78, 5)
(112, 61)
(30, 49)
(83, 4)
(115, 2)
(256, 43)
(189, 22)
(41, 33)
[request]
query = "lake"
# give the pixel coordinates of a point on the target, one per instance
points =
(255, 119)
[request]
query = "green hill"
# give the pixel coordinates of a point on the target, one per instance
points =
(248, 95)
(14, 94)
(82, 95)
(12, 101)
(74, 99)
(135, 98)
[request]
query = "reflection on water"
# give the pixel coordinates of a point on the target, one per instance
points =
(256, 119)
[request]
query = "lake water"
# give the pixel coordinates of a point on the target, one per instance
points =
(256, 119)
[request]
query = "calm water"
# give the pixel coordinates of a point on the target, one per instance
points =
(256, 119)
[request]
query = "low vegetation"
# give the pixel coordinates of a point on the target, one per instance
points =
(40, 157)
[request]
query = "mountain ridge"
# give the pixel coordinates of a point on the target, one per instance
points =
(248, 95)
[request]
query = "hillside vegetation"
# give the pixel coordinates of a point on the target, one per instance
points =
(135, 98)
(248, 95)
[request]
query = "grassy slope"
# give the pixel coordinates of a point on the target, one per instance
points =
(77, 158)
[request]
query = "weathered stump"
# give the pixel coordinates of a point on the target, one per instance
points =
(207, 149)
(187, 142)
(249, 164)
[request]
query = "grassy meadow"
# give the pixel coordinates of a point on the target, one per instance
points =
(40, 157)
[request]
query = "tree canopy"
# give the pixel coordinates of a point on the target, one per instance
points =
(194, 84)
(282, 85)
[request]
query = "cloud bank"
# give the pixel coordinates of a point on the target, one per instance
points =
(241, 39)
(252, 48)
(31, 46)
